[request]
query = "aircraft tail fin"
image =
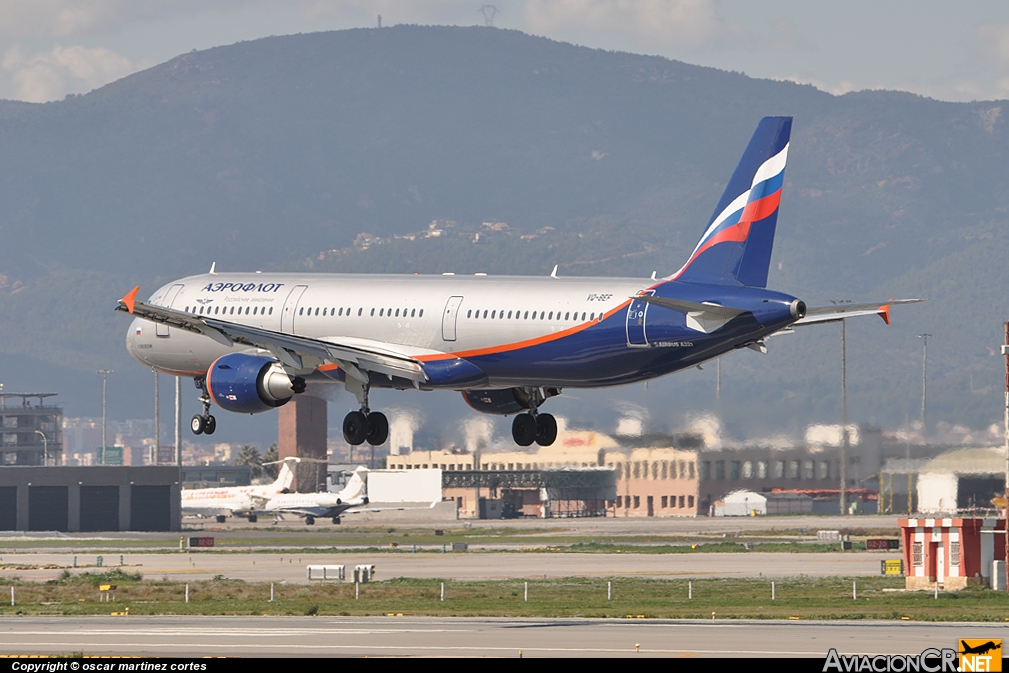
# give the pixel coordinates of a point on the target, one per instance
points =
(285, 477)
(736, 246)
(356, 487)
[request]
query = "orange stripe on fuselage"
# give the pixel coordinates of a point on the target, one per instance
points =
(518, 345)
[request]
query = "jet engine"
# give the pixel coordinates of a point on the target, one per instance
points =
(250, 384)
(507, 401)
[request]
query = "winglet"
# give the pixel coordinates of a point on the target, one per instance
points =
(884, 313)
(130, 300)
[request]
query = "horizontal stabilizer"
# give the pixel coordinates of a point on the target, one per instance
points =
(837, 312)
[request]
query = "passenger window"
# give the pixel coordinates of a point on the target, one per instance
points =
(421, 313)
(255, 311)
(509, 315)
(583, 315)
(485, 314)
(324, 312)
(526, 316)
(593, 316)
(397, 313)
(567, 316)
(372, 313)
(341, 311)
(316, 311)
(301, 311)
(360, 311)
(469, 313)
(413, 312)
(551, 316)
(217, 310)
(492, 314)
(271, 311)
(381, 312)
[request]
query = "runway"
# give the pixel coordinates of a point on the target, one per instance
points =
(263, 567)
(469, 637)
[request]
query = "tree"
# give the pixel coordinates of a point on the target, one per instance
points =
(249, 455)
(272, 456)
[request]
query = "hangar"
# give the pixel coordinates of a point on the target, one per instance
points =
(72, 499)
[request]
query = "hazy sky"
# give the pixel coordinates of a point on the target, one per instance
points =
(950, 51)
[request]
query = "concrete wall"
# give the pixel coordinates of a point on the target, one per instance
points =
(937, 492)
(404, 485)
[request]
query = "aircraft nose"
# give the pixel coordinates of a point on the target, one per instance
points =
(135, 330)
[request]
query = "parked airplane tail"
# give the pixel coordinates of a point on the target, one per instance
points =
(736, 246)
(356, 488)
(285, 477)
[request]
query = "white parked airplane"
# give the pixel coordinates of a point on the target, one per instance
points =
(239, 501)
(251, 341)
(314, 506)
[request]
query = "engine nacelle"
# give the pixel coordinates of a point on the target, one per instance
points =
(507, 401)
(250, 384)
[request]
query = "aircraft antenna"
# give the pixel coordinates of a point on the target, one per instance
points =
(489, 12)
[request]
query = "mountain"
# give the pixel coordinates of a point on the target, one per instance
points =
(335, 151)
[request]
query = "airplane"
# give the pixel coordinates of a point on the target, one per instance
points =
(984, 648)
(237, 501)
(322, 505)
(252, 341)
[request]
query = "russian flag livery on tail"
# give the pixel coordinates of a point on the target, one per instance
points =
(736, 246)
(253, 341)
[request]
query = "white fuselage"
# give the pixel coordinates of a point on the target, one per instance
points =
(428, 314)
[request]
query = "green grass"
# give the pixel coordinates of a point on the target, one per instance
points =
(803, 598)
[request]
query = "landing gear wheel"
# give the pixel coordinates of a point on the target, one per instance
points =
(309, 520)
(378, 428)
(336, 519)
(546, 429)
(252, 517)
(198, 425)
(524, 429)
(221, 518)
(355, 428)
(209, 425)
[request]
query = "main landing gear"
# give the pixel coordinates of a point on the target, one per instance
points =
(365, 425)
(534, 426)
(203, 424)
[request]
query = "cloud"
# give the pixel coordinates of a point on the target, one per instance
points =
(50, 75)
(61, 19)
(651, 24)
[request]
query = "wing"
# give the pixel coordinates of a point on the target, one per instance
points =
(354, 356)
(838, 312)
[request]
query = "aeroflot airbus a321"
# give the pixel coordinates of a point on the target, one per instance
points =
(252, 341)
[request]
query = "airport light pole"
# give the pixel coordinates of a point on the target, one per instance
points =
(45, 447)
(157, 418)
(843, 495)
(178, 421)
(1005, 352)
(924, 381)
(105, 375)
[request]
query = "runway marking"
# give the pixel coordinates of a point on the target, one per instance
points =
(433, 648)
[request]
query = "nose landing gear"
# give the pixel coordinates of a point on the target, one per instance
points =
(203, 424)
